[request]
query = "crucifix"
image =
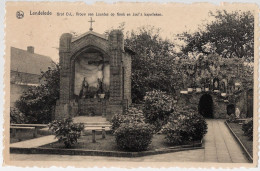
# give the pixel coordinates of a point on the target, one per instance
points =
(91, 21)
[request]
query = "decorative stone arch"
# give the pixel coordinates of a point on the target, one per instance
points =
(119, 77)
(75, 56)
(231, 108)
(206, 106)
(89, 40)
(192, 100)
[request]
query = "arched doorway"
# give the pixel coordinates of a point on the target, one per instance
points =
(230, 109)
(206, 106)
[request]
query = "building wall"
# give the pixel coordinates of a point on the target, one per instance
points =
(24, 78)
(241, 104)
(21, 82)
(15, 92)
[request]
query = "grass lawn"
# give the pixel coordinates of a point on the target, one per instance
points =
(108, 144)
(237, 129)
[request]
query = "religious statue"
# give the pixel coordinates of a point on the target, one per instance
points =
(215, 84)
(237, 113)
(100, 86)
(223, 87)
(84, 89)
(212, 68)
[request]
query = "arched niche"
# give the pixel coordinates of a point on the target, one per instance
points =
(206, 106)
(90, 65)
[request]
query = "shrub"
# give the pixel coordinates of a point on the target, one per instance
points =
(66, 131)
(132, 115)
(38, 102)
(157, 108)
(134, 136)
(232, 118)
(17, 117)
(185, 126)
(247, 127)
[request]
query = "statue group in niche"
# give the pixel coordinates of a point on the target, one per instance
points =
(84, 89)
(86, 93)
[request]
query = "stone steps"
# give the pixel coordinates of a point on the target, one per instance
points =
(95, 122)
(89, 119)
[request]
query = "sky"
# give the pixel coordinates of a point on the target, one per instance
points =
(43, 31)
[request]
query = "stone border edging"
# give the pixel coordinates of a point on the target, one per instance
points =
(40, 150)
(248, 156)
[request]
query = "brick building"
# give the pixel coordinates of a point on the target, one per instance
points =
(95, 75)
(26, 67)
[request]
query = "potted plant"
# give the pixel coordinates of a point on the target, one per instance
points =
(101, 95)
(198, 89)
(190, 89)
(223, 94)
(184, 92)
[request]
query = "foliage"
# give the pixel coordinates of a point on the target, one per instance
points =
(131, 131)
(232, 118)
(247, 127)
(131, 115)
(17, 117)
(185, 126)
(134, 136)
(38, 102)
(229, 34)
(66, 131)
(152, 66)
(157, 108)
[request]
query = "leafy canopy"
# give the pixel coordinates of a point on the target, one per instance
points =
(37, 104)
(152, 67)
(229, 34)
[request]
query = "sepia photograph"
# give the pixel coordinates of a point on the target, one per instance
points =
(131, 84)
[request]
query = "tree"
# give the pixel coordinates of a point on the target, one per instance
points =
(229, 34)
(38, 102)
(152, 67)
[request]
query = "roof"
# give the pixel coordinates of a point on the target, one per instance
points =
(130, 51)
(27, 62)
(87, 33)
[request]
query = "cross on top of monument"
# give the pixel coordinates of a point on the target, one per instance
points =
(91, 21)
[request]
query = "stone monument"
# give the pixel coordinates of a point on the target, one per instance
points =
(95, 76)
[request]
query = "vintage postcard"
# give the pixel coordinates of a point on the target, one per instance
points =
(131, 85)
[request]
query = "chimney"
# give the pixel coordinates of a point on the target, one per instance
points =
(30, 49)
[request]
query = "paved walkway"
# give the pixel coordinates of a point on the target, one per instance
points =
(220, 146)
(36, 142)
